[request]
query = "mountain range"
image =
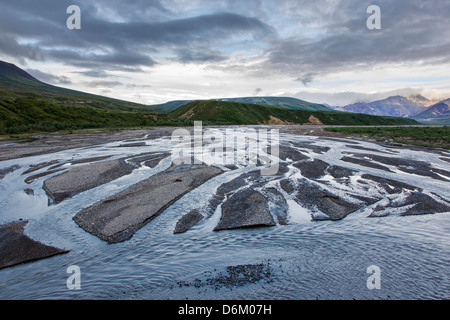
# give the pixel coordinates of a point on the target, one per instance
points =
(438, 113)
(30, 105)
(415, 107)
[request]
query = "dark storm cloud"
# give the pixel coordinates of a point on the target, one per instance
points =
(104, 84)
(124, 61)
(116, 36)
(94, 73)
(186, 55)
(413, 32)
(300, 39)
(11, 47)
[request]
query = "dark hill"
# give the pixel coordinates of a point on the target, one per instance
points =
(11, 72)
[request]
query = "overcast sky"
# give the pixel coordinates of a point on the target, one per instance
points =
(153, 51)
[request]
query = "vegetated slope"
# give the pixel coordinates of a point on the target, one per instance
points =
(29, 105)
(281, 102)
(225, 112)
(30, 112)
(169, 106)
(12, 78)
(436, 114)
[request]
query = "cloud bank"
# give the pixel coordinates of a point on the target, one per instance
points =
(303, 41)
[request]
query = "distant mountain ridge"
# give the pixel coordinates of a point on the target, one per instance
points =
(241, 113)
(418, 98)
(438, 113)
(281, 102)
(414, 107)
(396, 106)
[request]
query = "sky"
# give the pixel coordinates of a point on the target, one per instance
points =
(154, 51)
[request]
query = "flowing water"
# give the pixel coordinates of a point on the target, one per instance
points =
(306, 259)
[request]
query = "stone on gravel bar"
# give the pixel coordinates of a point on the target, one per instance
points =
(83, 178)
(188, 221)
(245, 209)
(118, 217)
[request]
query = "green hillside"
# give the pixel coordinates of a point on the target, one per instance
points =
(169, 106)
(31, 112)
(282, 102)
(15, 81)
(228, 113)
(29, 105)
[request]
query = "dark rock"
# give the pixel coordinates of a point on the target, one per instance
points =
(39, 166)
(245, 209)
(312, 169)
(339, 172)
(314, 197)
(287, 185)
(235, 276)
(311, 146)
(365, 163)
(389, 185)
(88, 160)
(368, 149)
(17, 248)
(424, 204)
(291, 153)
(417, 203)
(231, 186)
(29, 192)
(4, 172)
(241, 275)
(150, 160)
(188, 221)
(408, 165)
(132, 145)
(231, 167)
